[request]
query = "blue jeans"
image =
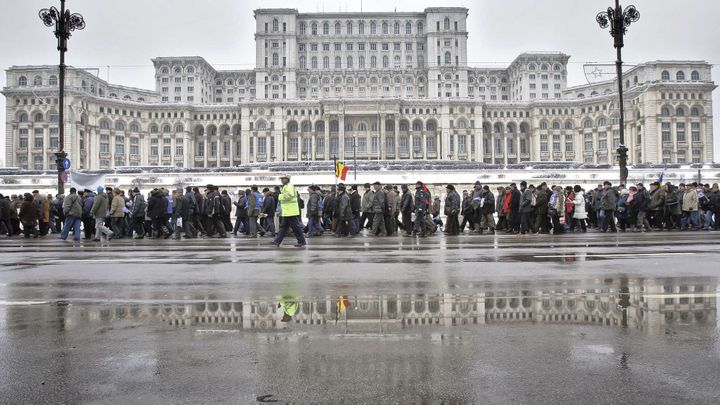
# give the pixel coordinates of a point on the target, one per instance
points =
(74, 222)
(709, 219)
(690, 218)
(355, 224)
(314, 224)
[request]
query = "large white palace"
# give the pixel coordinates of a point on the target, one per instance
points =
(381, 86)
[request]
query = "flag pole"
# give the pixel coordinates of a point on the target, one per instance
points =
(335, 168)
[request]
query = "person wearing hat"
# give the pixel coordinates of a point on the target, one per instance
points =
(137, 213)
(117, 213)
(343, 214)
(99, 211)
(422, 205)
(355, 207)
(656, 205)
(608, 203)
(391, 213)
(714, 207)
(406, 209)
(289, 213)
(690, 207)
(215, 213)
(379, 208)
(88, 222)
(181, 215)
(72, 209)
(452, 210)
(5, 227)
(367, 214)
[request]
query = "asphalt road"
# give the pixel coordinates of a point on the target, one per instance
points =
(582, 318)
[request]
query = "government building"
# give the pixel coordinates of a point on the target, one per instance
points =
(375, 86)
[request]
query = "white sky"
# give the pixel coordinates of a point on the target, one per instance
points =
(127, 34)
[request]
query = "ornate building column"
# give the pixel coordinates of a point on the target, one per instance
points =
(341, 136)
(326, 130)
(397, 139)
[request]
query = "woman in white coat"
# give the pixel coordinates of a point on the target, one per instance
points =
(580, 214)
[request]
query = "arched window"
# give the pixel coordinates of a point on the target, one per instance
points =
(373, 61)
(349, 28)
(337, 28)
(417, 125)
(275, 59)
(326, 29)
(348, 126)
(275, 25)
(303, 64)
(544, 125)
(556, 125)
(420, 28)
(120, 126)
(373, 28)
(448, 58)
(680, 75)
(262, 125)
(695, 75)
(462, 124)
(665, 112)
(601, 122)
(23, 117)
(134, 127)
(361, 62)
(361, 28)
(326, 62)
(695, 112)
(153, 129)
(292, 126)
(396, 28)
(680, 112)
(665, 75)
(37, 81)
(431, 126)
(179, 128)
(349, 62)
(166, 128)
(105, 124)
(568, 125)
(190, 70)
(53, 81)
(386, 62)
(22, 81)
(408, 28)
(588, 123)
(314, 28)
(446, 24)
(338, 62)
(302, 28)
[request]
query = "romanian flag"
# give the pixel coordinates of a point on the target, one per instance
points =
(660, 180)
(340, 170)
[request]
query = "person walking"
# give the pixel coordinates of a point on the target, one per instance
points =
(379, 208)
(289, 213)
(117, 213)
(216, 211)
(608, 204)
(452, 210)
(406, 209)
(422, 205)
(98, 211)
(267, 215)
(344, 212)
(366, 219)
(137, 213)
(72, 209)
(29, 216)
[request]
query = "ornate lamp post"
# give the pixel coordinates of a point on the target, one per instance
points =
(619, 20)
(64, 23)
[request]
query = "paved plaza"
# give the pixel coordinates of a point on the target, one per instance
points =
(581, 318)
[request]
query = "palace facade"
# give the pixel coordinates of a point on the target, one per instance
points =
(375, 86)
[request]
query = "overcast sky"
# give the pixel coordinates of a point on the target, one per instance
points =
(126, 34)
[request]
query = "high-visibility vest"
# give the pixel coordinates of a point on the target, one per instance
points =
(288, 201)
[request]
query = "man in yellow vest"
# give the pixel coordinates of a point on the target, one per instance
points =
(289, 213)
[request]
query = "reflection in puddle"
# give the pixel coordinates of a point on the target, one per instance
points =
(648, 305)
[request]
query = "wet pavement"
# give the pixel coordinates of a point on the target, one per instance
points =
(582, 318)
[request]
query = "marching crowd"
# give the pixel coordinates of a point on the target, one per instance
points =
(344, 211)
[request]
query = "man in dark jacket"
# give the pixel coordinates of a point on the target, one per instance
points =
(241, 215)
(379, 208)
(355, 207)
(157, 211)
(452, 210)
(515, 197)
(328, 209)
(467, 212)
(343, 213)
(422, 205)
(527, 208)
(314, 212)
(406, 209)
(88, 198)
(5, 226)
(486, 219)
(181, 215)
(268, 212)
(608, 203)
(541, 209)
(366, 219)
(137, 213)
(227, 204)
(215, 212)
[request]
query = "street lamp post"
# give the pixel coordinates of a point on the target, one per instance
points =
(64, 23)
(619, 20)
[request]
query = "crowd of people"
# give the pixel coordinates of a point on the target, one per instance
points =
(345, 211)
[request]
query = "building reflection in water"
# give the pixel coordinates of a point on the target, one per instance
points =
(647, 305)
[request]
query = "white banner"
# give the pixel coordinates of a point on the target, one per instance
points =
(82, 181)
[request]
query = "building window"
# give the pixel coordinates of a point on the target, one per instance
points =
(665, 75)
(680, 75)
(695, 128)
(666, 132)
(694, 76)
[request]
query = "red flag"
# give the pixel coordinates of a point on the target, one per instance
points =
(340, 170)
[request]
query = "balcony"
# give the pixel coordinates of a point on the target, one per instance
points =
(682, 144)
(21, 150)
(199, 158)
(524, 156)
